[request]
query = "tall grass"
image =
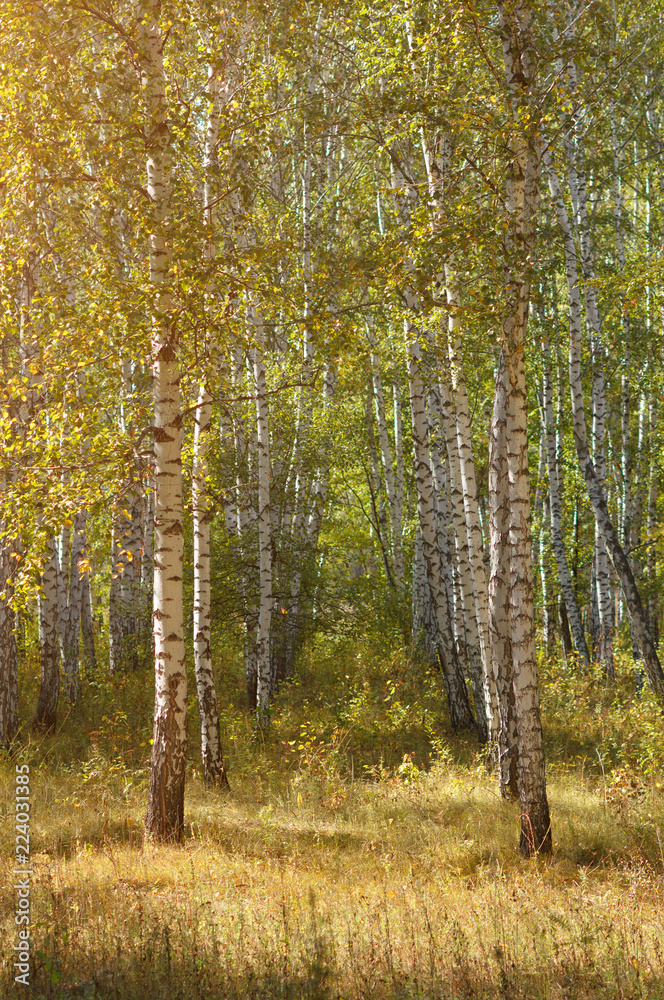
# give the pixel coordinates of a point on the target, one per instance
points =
(362, 851)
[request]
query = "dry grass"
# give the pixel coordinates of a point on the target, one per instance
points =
(329, 873)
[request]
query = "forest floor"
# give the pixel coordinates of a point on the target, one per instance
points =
(361, 852)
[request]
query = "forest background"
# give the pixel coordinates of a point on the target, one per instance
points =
(332, 368)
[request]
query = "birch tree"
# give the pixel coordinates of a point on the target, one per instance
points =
(165, 812)
(523, 188)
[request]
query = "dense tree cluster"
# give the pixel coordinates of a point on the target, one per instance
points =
(329, 307)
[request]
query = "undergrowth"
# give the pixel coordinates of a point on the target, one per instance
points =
(362, 851)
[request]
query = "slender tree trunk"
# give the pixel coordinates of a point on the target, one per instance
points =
(165, 810)
(398, 450)
(212, 759)
(572, 608)
(469, 488)
(396, 550)
(8, 652)
(548, 603)
(114, 610)
(264, 683)
(579, 194)
(457, 697)
(437, 165)
(651, 526)
(70, 612)
(500, 623)
(466, 590)
(246, 517)
(214, 771)
(147, 558)
(47, 705)
(522, 202)
(86, 626)
(444, 527)
(424, 629)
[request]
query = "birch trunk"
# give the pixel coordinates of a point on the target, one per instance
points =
(114, 611)
(165, 810)
(579, 194)
(396, 550)
(571, 606)
(147, 553)
(651, 527)
(469, 489)
(424, 630)
(47, 706)
(264, 685)
(398, 450)
(466, 592)
(522, 201)
(211, 754)
(457, 696)
(246, 517)
(8, 652)
(70, 612)
(86, 626)
(212, 760)
(500, 622)
(443, 516)
(321, 482)
(637, 616)
(436, 159)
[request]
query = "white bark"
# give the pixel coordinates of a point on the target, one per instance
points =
(396, 550)
(579, 195)
(69, 611)
(522, 200)
(460, 714)
(424, 629)
(436, 159)
(165, 813)
(8, 652)
(573, 614)
(466, 589)
(263, 662)
(47, 705)
(469, 488)
(500, 619)
(212, 758)
(211, 753)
